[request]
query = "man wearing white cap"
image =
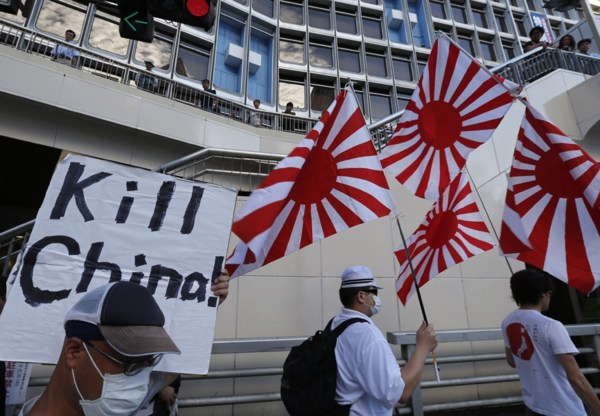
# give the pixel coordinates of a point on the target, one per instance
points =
(368, 376)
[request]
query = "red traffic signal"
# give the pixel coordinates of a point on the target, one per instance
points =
(200, 13)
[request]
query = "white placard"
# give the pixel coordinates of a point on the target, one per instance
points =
(101, 221)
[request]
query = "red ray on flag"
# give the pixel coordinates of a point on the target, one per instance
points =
(551, 218)
(332, 181)
(452, 232)
(456, 107)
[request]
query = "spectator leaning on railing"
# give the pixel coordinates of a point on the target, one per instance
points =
(535, 34)
(146, 81)
(583, 47)
(66, 54)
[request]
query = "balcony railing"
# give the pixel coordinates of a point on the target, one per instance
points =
(35, 43)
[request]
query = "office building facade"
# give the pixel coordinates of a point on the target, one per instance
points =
(305, 51)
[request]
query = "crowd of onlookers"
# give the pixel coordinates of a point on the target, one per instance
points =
(566, 43)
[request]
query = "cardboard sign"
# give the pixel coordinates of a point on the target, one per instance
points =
(102, 222)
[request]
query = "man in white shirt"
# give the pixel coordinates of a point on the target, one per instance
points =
(368, 376)
(543, 353)
(66, 54)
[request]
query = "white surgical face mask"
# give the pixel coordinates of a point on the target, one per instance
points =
(377, 307)
(121, 395)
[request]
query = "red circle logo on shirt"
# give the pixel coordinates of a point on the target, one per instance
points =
(520, 341)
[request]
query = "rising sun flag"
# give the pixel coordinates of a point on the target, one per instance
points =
(452, 232)
(551, 218)
(456, 107)
(332, 181)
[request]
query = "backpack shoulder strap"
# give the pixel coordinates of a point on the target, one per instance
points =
(342, 327)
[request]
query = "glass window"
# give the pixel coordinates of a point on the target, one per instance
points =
(479, 18)
(291, 51)
(192, 60)
(376, 65)
(437, 10)
(402, 69)
(321, 96)
(291, 91)
(459, 13)
(402, 102)
(17, 18)
(244, 2)
(55, 18)
(421, 65)
(360, 97)
(467, 44)
(381, 106)
(291, 13)
(105, 35)
(515, 3)
(521, 31)
(419, 28)
(487, 50)
(345, 23)
(371, 1)
(509, 51)
(349, 61)
(372, 28)
(263, 6)
(531, 4)
(501, 22)
(319, 18)
(159, 50)
(320, 55)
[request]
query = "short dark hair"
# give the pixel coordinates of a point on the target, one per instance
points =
(255, 100)
(583, 41)
(528, 286)
(70, 31)
(348, 294)
(536, 29)
(205, 80)
(290, 104)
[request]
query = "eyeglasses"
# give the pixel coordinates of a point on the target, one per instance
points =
(130, 368)
(370, 292)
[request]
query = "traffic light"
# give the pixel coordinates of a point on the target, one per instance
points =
(9, 6)
(200, 13)
(136, 21)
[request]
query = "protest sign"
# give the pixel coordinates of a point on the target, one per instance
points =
(102, 222)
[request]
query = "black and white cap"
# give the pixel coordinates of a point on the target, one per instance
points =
(358, 276)
(127, 316)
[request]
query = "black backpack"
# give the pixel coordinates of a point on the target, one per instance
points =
(310, 372)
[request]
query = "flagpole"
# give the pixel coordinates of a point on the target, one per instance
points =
(350, 85)
(487, 214)
(412, 272)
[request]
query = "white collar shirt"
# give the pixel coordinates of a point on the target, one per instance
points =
(368, 375)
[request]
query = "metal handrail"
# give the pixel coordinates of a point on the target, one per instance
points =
(186, 92)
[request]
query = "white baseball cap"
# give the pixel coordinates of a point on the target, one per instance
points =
(358, 276)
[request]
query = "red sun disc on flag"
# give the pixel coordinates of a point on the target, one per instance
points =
(330, 182)
(455, 108)
(549, 201)
(452, 232)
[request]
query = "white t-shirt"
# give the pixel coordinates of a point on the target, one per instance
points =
(368, 374)
(535, 340)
